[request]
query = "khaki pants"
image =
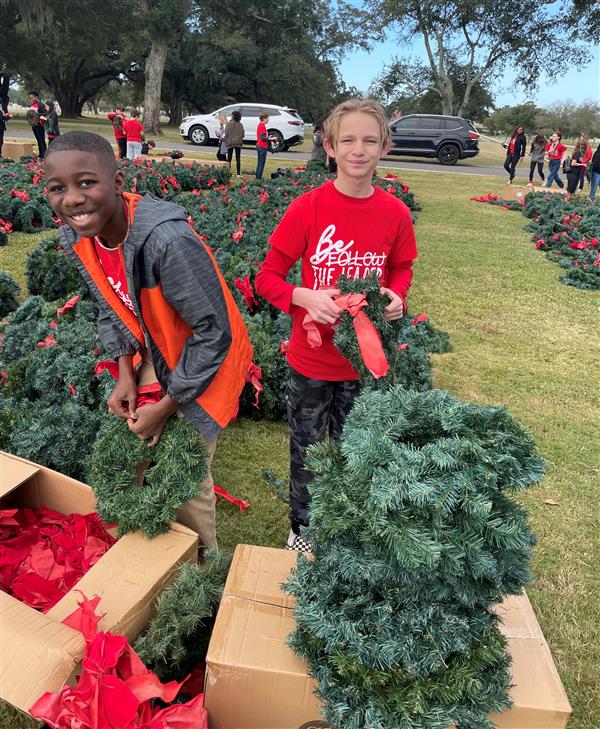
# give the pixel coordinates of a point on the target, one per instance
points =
(198, 513)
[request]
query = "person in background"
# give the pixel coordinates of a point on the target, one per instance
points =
(149, 147)
(537, 152)
(36, 116)
(586, 158)
(595, 174)
(52, 123)
(577, 166)
(134, 131)
(515, 151)
(4, 117)
(555, 150)
(318, 152)
(222, 150)
(262, 143)
(118, 119)
(234, 138)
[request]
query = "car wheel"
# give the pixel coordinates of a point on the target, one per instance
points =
(199, 135)
(277, 143)
(448, 154)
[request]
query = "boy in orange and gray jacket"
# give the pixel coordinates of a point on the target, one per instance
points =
(165, 310)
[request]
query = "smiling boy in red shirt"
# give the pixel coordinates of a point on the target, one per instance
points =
(345, 226)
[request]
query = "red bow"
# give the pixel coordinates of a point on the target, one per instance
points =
(254, 376)
(369, 342)
(115, 689)
(245, 288)
(67, 305)
(147, 394)
(220, 491)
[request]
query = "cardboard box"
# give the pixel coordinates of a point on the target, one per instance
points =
(37, 652)
(254, 681)
(16, 148)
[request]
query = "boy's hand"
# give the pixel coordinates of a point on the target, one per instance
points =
(123, 398)
(319, 305)
(151, 419)
(395, 309)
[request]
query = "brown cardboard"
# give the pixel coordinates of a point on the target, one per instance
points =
(254, 681)
(127, 579)
(16, 148)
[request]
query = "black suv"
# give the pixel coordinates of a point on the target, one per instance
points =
(449, 138)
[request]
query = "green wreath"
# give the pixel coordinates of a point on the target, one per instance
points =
(179, 465)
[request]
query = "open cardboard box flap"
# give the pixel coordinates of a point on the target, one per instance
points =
(39, 653)
(14, 472)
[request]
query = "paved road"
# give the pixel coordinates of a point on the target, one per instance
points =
(391, 162)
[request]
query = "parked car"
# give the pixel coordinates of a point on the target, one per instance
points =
(285, 125)
(449, 138)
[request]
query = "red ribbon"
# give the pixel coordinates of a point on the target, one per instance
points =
(245, 288)
(220, 491)
(67, 305)
(115, 689)
(254, 376)
(369, 342)
(147, 394)
(43, 553)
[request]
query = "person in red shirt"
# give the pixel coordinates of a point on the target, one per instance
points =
(118, 119)
(555, 150)
(134, 131)
(262, 144)
(345, 226)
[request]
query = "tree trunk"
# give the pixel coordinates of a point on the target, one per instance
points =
(4, 88)
(70, 102)
(175, 101)
(155, 65)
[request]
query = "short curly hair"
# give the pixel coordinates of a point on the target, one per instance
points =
(366, 106)
(76, 141)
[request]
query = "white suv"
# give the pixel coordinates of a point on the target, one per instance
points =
(286, 126)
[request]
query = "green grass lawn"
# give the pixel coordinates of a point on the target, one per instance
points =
(520, 338)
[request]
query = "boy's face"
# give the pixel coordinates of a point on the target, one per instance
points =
(358, 146)
(84, 192)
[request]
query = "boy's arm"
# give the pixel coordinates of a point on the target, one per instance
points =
(270, 282)
(191, 285)
(402, 256)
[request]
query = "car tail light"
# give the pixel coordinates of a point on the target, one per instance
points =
(297, 123)
(473, 135)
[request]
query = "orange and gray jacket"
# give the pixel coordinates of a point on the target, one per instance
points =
(183, 310)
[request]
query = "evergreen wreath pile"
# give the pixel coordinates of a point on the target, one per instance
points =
(415, 537)
(50, 273)
(177, 638)
(567, 228)
(9, 291)
(177, 468)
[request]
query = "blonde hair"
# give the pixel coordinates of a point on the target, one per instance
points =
(366, 106)
(222, 119)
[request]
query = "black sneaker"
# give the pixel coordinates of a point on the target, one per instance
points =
(297, 544)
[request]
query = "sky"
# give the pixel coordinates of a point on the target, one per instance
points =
(361, 67)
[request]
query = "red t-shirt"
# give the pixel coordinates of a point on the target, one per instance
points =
(113, 265)
(133, 130)
(587, 156)
(260, 130)
(555, 151)
(117, 120)
(511, 146)
(335, 234)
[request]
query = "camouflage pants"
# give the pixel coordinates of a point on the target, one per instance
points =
(316, 408)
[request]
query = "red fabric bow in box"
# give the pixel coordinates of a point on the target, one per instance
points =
(115, 689)
(369, 342)
(44, 553)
